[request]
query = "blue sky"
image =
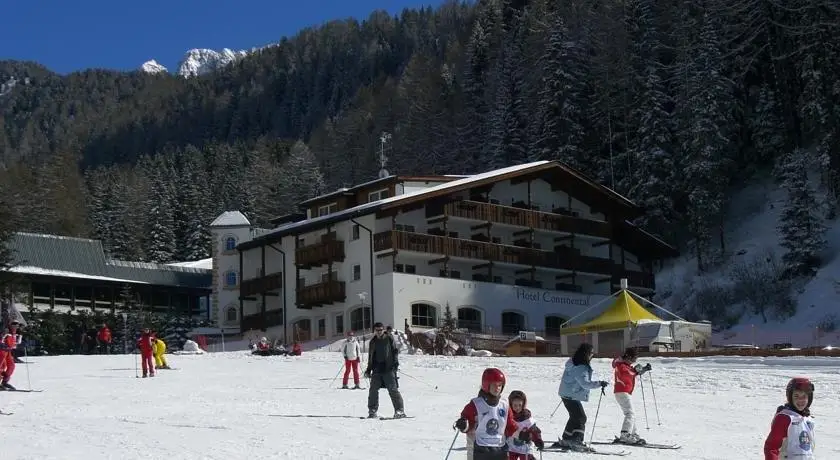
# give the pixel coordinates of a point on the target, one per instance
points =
(72, 35)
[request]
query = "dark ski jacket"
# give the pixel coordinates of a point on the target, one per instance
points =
(383, 354)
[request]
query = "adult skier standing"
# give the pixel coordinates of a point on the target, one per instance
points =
(352, 355)
(383, 364)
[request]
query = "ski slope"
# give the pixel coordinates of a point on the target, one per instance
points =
(236, 406)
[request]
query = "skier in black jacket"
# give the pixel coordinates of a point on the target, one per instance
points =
(382, 366)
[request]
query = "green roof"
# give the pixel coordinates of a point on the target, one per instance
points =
(37, 254)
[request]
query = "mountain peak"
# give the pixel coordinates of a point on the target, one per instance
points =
(200, 61)
(152, 67)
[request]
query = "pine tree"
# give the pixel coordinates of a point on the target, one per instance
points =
(800, 224)
(161, 242)
(302, 177)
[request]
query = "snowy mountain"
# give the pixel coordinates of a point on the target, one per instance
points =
(200, 61)
(152, 67)
(744, 287)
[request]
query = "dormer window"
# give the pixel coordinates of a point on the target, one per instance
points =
(378, 195)
(328, 209)
(230, 243)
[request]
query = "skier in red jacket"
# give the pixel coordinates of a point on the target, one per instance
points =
(8, 343)
(792, 430)
(146, 346)
(626, 371)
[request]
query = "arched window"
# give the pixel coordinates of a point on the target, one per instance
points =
(469, 318)
(512, 322)
(230, 314)
(230, 279)
(230, 243)
(423, 315)
(552, 325)
(360, 319)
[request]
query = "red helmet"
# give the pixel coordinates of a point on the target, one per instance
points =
(490, 376)
(802, 384)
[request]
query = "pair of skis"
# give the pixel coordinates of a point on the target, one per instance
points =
(615, 442)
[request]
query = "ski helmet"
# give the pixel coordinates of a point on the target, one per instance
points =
(802, 384)
(490, 376)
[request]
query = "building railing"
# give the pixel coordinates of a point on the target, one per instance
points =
(527, 218)
(319, 294)
(261, 284)
(322, 253)
(255, 321)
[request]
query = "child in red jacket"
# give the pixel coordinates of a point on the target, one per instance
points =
(146, 346)
(527, 430)
(625, 383)
(792, 431)
(489, 419)
(8, 342)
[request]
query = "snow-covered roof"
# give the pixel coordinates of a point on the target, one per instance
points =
(206, 264)
(231, 219)
(30, 270)
(367, 208)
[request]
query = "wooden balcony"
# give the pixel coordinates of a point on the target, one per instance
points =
(324, 252)
(479, 250)
(263, 284)
(320, 294)
(257, 321)
(527, 218)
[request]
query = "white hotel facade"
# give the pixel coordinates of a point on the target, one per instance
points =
(519, 248)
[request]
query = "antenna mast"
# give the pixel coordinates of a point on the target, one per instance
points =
(384, 138)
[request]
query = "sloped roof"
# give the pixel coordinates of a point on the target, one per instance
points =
(623, 312)
(51, 255)
(231, 219)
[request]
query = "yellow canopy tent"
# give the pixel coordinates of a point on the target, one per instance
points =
(625, 311)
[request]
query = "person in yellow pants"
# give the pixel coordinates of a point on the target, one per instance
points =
(159, 352)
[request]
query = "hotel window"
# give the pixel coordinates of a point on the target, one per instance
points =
(230, 279)
(377, 195)
(230, 314)
(230, 243)
(357, 272)
(355, 233)
(405, 228)
(322, 327)
(339, 324)
(360, 319)
(328, 209)
(424, 315)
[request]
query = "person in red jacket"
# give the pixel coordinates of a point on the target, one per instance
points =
(488, 419)
(8, 343)
(792, 430)
(103, 337)
(626, 370)
(146, 345)
(297, 350)
(526, 429)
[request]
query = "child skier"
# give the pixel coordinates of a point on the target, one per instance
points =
(575, 386)
(518, 446)
(352, 356)
(488, 418)
(625, 383)
(146, 346)
(792, 430)
(159, 353)
(9, 341)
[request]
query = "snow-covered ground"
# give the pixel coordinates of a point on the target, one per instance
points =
(237, 406)
(752, 235)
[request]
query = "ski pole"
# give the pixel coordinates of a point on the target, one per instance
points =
(644, 404)
(336, 375)
(655, 405)
(415, 378)
(26, 363)
(452, 445)
(555, 409)
(591, 436)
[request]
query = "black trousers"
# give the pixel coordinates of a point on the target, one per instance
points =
(576, 426)
(386, 380)
(489, 453)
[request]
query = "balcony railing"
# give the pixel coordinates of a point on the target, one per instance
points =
(321, 253)
(479, 250)
(320, 294)
(486, 212)
(256, 321)
(260, 285)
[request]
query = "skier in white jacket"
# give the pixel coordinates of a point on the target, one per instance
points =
(352, 355)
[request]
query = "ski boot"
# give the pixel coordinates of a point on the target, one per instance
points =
(399, 414)
(357, 387)
(372, 414)
(345, 387)
(631, 439)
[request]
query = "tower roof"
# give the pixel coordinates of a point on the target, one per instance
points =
(231, 219)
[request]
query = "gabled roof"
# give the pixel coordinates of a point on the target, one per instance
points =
(231, 219)
(61, 256)
(382, 180)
